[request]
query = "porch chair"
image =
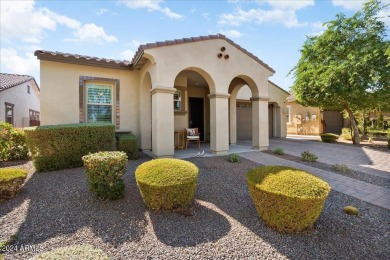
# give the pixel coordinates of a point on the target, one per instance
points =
(192, 135)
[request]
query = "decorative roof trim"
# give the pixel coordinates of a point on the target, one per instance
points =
(82, 60)
(146, 46)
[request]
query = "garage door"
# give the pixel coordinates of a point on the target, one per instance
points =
(333, 122)
(244, 121)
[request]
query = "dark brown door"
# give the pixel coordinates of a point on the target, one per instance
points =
(196, 116)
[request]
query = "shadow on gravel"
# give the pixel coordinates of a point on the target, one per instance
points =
(204, 225)
(335, 235)
(61, 204)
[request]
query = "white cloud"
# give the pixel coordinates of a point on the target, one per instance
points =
(206, 16)
(91, 33)
(127, 55)
(12, 62)
(280, 12)
(151, 5)
(354, 5)
(232, 33)
(135, 43)
(21, 20)
(101, 11)
(286, 18)
(289, 4)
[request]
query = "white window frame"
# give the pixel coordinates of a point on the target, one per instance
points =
(288, 114)
(89, 85)
(178, 93)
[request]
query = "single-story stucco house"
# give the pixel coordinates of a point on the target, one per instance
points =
(19, 100)
(168, 86)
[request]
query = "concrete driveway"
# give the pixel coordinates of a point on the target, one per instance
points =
(364, 159)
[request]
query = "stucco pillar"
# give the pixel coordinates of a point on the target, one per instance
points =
(260, 138)
(277, 122)
(219, 123)
(233, 120)
(162, 122)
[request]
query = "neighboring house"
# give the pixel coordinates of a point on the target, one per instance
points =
(19, 100)
(168, 86)
(303, 120)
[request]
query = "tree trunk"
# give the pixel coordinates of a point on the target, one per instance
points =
(355, 130)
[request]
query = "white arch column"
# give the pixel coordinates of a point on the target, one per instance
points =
(260, 138)
(163, 121)
(219, 123)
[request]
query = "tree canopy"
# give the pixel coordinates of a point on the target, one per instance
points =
(348, 66)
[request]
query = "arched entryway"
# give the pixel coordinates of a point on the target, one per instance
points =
(191, 102)
(245, 108)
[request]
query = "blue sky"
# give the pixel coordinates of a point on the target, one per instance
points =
(273, 30)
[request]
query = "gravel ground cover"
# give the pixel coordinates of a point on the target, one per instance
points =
(55, 209)
(361, 176)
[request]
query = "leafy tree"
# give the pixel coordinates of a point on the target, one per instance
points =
(348, 66)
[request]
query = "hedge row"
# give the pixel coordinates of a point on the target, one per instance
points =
(128, 144)
(329, 138)
(57, 147)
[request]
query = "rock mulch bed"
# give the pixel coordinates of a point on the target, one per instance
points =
(55, 209)
(361, 176)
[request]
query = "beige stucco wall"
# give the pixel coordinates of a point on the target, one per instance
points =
(298, 120)
(60, 93)
(277, 97)
(22, 102)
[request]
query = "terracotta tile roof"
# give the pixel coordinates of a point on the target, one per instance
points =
(81, 59)
(11, 80)
(143, 47)
(124, 64)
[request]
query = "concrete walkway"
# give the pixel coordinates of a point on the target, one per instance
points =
(373, 194)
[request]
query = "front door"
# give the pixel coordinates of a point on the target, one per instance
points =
(196, 116)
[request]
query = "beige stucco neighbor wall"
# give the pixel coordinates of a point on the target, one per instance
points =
(22, 101)
(60, 93)
(299, 123)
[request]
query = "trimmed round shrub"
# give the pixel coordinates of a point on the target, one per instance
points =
(329, 138)
(287, 199)
(104, 171)
(11, 180)
(234, 158)
(167, 184)
(87, 252)
(351, 210)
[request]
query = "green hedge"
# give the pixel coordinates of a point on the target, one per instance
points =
(287, 199)
(128, 144)
(104, 171)
(167, 184)
(329, 137)
(11, 179)
(58, 147)
(13, 144)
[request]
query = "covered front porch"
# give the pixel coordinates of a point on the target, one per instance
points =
(192, 151)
